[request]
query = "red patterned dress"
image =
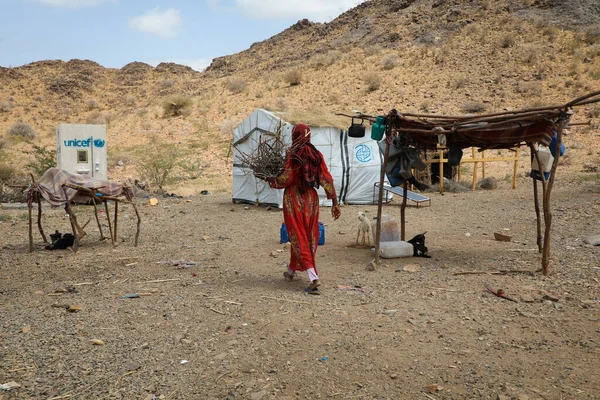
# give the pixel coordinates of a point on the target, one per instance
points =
(301, 213)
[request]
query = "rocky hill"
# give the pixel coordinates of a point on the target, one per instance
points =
(414, 55)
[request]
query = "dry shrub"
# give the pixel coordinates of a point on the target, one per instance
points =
(236, 85)
(92, 104)
(167, 83)
(98, 118)
(293, 77)
(177, 106)
(551, 32)
(594, 112)
(460, 82)
(594, 73)
(131, 101)
(4, 107)
(373, 81)
(372, 50)
(531, 53)
(22, 130)
(592, 34)
(508, 40)
(529, 88)
(472, 107)
(325, 60)
(390, 61)
(156, 161)
(227, 126)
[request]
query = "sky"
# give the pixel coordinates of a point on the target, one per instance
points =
(116, 32)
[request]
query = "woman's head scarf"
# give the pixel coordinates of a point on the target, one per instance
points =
(305, 156)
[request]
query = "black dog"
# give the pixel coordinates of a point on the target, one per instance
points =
(419, 249)
(60, 241)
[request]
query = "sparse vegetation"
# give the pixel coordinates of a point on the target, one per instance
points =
(92, 104)
(177, 106)
(507, 40)
(373, 81)
(293, 77)
(236, 85)
(156, 161)
(592, 34)
(42, 159)
(227, 126)
(98, 118)
(325, 60)
(21, 130)
(7, 173)
(4, 106)
(390, 61)
(473, 107)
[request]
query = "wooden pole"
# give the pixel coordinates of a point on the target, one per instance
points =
(483, 164)
(110, 229)
(474, 184)
(515, 168)
(547, 196)
(39, 218)
(116, 219)
(97, 218)
(139, 220)
(460, 170)
(72, 220)
(380, 203)
(403, 212)
(538, 218)
(30, 228)
(441, 170)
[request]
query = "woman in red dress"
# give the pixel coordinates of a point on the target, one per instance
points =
(305, 170)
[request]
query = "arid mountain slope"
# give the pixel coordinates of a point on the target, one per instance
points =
(423, 55)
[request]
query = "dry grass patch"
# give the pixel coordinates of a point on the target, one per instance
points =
(235, 85)
(508, 40)
(293, 77)
(373, 81)
(389, 61)
(21, 130)
(325, 60)
(473, 107)
(177, 106)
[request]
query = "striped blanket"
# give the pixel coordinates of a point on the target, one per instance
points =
(51, 184)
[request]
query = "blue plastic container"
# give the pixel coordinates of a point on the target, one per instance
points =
(284, 238)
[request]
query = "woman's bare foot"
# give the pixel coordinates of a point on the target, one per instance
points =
(288, 277)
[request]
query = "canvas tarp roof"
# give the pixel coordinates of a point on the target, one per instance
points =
(50, 187)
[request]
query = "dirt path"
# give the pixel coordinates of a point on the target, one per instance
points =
(248, 334)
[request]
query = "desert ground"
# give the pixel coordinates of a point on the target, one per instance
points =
(230, 327)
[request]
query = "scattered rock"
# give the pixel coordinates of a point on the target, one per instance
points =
(97, 342)
(258, 395)
(527, 299)
(74, 308)
(488, 183)
(26, 329)
(593, 240)
(372, 266)
(153, 201)
(502, 237)
(412, 268)
(394, 376)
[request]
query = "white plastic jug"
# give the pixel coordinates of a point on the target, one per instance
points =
(395, 249)
(389, 229)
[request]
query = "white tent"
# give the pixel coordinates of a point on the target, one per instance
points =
(354, 163)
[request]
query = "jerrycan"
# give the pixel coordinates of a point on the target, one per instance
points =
(389, 229)
(284, 238)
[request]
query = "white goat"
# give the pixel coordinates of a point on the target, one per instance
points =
(364, 228)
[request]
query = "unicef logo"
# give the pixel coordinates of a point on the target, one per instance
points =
(99, 143)
(363, 153)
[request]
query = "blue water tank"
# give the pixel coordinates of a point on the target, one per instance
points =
(284, 238)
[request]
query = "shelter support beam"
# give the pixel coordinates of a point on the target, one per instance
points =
(536, 200)
(72, 220)
(403, 211)
(110, 229)
(380, 202)
(39, 218)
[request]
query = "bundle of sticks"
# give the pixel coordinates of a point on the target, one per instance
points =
(267, 160)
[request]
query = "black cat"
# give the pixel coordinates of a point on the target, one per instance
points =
(60, 241)
(419, 249)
